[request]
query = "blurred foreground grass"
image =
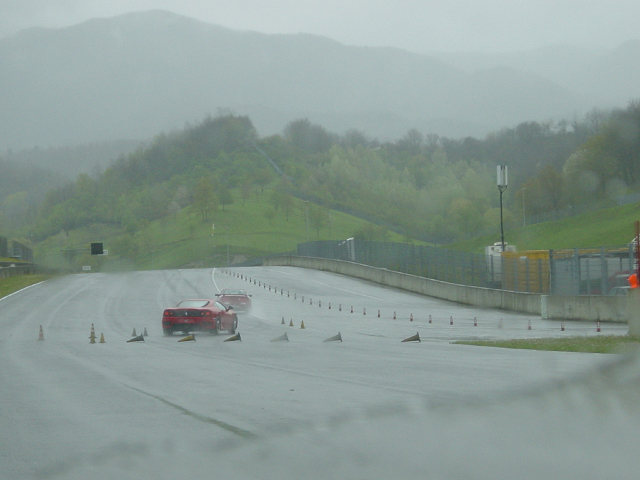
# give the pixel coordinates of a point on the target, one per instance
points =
(590, 344)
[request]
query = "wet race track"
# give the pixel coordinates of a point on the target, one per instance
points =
(306, 405)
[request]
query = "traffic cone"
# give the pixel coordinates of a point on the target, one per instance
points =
(188, 338)
(302, 325)
(529, 325)
(102, 338)
(450, 319)
(145, 334)
(378, 313)
(411, 317)
(233, 338)
(138, 338)
(339, 307)
(41, 334)
(335, 338)
(598, 326)
(475, 321)
(413, 338)
(430, 321)
(282, 322)
(394, 315)
(92, 335)
(329, 305)
(562, 326)
(351, 308)
(281, 338)
(134, 334)
(291, 322)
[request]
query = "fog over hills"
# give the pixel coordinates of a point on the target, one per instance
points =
(138, 74)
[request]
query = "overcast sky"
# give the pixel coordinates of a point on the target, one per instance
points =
(417, 25)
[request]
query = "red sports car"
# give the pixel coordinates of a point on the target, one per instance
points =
(199, 315)
(238, 299)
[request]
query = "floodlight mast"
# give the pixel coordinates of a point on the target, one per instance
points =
(503, 180)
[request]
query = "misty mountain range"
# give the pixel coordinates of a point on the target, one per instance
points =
(136, 75)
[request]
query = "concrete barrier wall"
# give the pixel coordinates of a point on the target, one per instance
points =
(612, 308)
(633, 312)
(603, 308)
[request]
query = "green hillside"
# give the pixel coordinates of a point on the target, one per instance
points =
(609, 227)
(157, 207)
(243, 230)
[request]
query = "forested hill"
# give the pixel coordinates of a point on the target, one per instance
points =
(431, 188)
(134, 75)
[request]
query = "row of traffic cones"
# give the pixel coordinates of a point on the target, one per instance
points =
(364, 310)
(92, 336)
(192, 338)
(291, 324)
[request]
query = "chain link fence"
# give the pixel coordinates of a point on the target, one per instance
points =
(601, 271)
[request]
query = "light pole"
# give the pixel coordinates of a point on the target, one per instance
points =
(502, 186)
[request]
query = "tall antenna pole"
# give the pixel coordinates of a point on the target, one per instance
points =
(503, 181)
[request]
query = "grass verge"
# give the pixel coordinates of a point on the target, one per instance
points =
(591, 344)
(13, 284)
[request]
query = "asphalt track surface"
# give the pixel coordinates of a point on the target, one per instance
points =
(368, 406)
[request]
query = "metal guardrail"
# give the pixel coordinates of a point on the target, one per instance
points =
(12, 270)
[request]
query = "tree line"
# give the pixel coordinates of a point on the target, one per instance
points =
(428, 187)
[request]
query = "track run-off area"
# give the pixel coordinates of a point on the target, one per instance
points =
(320, 385)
